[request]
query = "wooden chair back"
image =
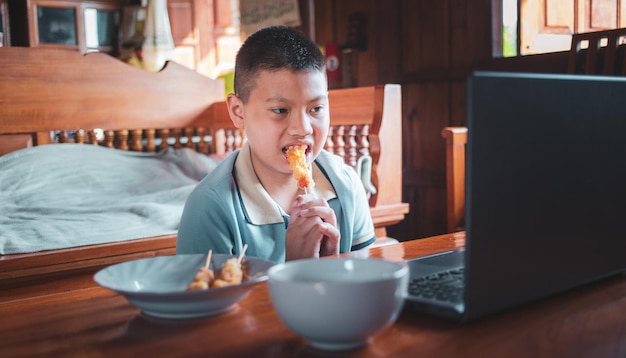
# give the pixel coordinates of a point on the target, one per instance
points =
(599, 52)
(456, 138)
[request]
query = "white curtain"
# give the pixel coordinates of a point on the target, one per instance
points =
(146, 35)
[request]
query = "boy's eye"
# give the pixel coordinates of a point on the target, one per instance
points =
(317, 109)
(280, 110)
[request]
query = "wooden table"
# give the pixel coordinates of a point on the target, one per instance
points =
(95, 322)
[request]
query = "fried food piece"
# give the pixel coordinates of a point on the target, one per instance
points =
(205, 276)
(203, 280)
(297, 163)
(231, 274)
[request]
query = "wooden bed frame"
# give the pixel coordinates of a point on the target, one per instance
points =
(49, 90)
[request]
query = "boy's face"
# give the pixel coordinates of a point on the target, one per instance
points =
(285, 108)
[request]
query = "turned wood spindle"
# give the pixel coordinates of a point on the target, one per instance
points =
(230, 140)
(351, 144)
(62, 137)
(164, 134)
(79, 136)
(189, 133)
(150, 135)
(202, 146)
(177, 133)
(92, 137)
(330, 144)
(340, 144)
(121, 139)
(364, 143)
(136, 135)
(109, 138)
(238, 139)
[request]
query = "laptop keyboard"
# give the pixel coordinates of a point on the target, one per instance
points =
(443, 286)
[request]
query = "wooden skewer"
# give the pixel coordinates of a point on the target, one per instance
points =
(208, 259)
(243, 251)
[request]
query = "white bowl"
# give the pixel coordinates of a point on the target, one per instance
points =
(158, 285)
(338, 303)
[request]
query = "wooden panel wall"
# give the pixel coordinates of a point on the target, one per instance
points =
(429, 47)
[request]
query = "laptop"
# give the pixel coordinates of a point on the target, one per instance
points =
(545, 194)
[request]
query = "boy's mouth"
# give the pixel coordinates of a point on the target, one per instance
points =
(307, 149)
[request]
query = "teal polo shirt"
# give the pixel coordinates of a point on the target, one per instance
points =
(230, 208)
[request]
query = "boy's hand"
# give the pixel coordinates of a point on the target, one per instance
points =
(312, 230)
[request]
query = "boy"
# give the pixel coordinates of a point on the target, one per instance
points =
(281, 100)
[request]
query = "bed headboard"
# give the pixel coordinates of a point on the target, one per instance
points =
(43, 90)
(63, 89)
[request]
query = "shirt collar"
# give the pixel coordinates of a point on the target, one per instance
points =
(259, 206)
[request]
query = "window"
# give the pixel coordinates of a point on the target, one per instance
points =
(56, 25)
(100, 28)
(4, 24)
(509, 28)
(526, 27)
(85, 26)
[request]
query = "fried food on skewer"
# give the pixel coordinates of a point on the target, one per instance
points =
(204, 278)
(231, 273)
(297, 163)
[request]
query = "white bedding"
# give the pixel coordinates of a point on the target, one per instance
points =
(68, 195)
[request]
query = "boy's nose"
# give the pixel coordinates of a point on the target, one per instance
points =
(300, 124)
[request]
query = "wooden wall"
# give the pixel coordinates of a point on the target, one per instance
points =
(429, 47)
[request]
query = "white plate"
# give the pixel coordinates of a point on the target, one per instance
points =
(158, 285)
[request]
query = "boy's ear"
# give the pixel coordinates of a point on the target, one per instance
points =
(235, 110)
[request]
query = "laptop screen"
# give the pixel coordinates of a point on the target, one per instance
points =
(545, 184)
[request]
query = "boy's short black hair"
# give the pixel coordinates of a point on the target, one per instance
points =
(274, 48)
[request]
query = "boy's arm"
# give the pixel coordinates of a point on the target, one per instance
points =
(204, 225)
(363, 226)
